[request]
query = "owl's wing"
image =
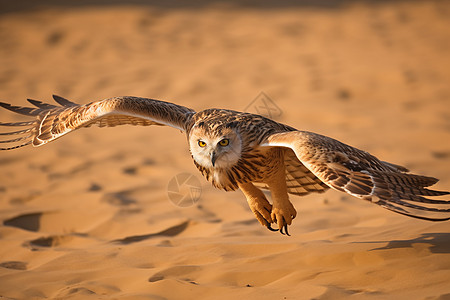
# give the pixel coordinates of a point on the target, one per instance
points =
(300, 180)
(360, 174)
(54, 121)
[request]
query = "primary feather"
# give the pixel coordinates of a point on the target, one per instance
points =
(257, 151)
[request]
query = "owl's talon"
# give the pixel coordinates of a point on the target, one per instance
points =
(283, 217)
(286, 232)
(284, 227)
(263, 221)
(270, 227)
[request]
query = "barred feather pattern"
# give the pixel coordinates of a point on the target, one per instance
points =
(360, 174)
(256, 163)
(54, 121)
(311, 163)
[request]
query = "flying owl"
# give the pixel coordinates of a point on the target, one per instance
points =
(238, 150)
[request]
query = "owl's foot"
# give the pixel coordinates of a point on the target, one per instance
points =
(258, 204)
(262, 209)
(283, 216)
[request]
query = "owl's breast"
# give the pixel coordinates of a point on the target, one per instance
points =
(254, 166)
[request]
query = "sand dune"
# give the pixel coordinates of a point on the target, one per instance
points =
(89, 216)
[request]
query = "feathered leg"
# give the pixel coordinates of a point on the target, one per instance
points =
(283, 212)
(258, 204)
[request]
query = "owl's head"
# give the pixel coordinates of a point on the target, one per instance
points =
(220, 148)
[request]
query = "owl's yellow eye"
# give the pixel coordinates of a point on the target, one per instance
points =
(201, 144)
(224, 142)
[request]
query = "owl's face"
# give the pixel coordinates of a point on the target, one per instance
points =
(218, 150)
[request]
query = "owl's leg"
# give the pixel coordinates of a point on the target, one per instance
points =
(258, 204)
(283, 212)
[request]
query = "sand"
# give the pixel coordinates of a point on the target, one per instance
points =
(89, 216)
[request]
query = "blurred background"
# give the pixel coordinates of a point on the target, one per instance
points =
(339, 58)
(373, 74)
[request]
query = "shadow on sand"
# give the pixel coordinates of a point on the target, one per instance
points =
(169, 232)
(439, 242)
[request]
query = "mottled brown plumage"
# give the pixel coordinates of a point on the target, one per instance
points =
(237, 150)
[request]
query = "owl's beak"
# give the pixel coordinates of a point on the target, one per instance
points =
(213, 158)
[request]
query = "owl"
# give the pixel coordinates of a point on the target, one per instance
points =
(238, 150)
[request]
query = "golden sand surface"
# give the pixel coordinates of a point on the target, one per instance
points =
(89, 216)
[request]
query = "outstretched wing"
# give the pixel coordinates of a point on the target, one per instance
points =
(300, 180)
(347, 169)
(54, 121)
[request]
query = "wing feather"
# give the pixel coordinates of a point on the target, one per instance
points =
(299, 179)
(54, 121)
(63, 101)
(360, 174)
(41, 104)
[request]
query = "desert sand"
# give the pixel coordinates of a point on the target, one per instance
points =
(89, 216)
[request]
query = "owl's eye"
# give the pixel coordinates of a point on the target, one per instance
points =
(202, 144)
(224, 142)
